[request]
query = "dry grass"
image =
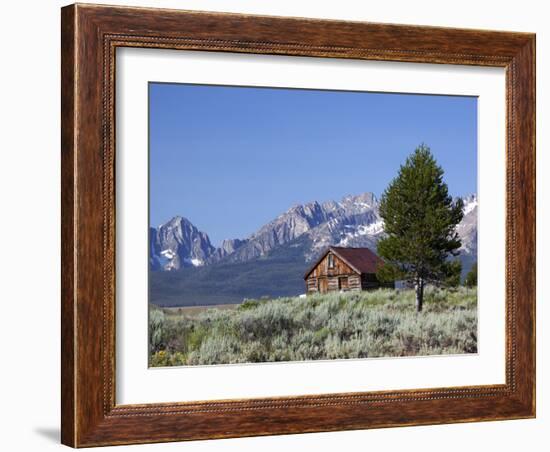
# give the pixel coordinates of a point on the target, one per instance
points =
(180, 313)
(381, 323)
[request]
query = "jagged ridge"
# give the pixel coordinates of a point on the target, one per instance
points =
(353, 221)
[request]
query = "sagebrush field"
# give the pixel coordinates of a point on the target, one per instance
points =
(381, 323)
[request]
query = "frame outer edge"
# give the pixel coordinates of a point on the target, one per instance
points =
(68, 242)
(525, 61)
(534, 226)
(86, 420)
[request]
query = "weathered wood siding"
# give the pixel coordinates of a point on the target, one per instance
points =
(340, 268)
(354, 282)
(324, 279)
(311, 284)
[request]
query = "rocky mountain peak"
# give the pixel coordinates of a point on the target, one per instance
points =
(177, 244)
(352, 221)
(364, 200)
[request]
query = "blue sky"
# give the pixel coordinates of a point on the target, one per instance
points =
(231, 159)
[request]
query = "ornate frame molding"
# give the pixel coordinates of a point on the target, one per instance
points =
(90, 36)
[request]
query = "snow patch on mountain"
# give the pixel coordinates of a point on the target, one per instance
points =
(470, 203)
(168, 254)
(372, 229)
(194, 262)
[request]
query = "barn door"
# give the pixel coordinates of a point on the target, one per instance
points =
(343, 283)
(322, 285)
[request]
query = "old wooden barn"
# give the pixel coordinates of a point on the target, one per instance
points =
(343, 269)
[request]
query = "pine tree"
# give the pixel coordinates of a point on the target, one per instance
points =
(471, 277)
(453, 277)
(420, 224)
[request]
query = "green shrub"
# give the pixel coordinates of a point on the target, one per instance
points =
(471, 277)
(156, 329)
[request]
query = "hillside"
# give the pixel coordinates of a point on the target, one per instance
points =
(278, 274)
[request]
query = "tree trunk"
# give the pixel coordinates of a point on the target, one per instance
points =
(419, 288)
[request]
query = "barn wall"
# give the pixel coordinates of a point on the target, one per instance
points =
(354, 282)
(311, 285)
(340, 267)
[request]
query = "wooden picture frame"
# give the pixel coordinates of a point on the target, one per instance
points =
(90, 36)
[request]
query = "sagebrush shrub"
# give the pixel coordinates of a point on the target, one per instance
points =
(330, 326)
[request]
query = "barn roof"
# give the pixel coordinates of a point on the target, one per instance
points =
(362, 260)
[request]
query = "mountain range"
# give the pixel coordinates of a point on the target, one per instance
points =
(281, 249)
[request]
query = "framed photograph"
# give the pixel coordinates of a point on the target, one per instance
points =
(281, 225)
